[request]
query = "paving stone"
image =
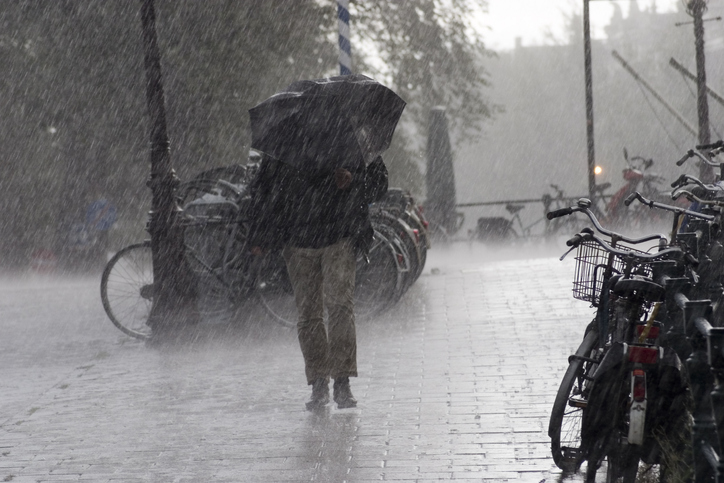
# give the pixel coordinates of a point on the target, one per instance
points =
(456, 382)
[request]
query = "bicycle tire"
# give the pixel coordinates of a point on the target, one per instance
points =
(424, 241)
(564, 427)
(214, 247)
(378, 284)
(274, 291)
(406, 236)
(402, 254)
(415, 247)
(127, 289)
(622, 466)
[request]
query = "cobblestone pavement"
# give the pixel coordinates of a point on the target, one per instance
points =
(456, 383)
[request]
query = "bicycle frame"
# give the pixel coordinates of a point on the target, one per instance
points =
(630, 352)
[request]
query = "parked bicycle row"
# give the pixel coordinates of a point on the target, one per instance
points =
(521, 224)
(644, 391)
(229, 279)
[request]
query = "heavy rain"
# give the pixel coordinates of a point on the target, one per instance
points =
(347, 241)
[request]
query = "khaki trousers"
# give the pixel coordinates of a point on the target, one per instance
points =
(325, 277)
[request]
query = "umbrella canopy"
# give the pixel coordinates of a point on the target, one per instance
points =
(319, 125)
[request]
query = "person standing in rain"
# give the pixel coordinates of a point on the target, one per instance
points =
(321, 223)
(322, 141)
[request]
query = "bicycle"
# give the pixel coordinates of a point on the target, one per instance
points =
(228, 275)
(637, 178)
(395, 261)
(400, 204)
(611, 400)
(559, 200)
(499, 229)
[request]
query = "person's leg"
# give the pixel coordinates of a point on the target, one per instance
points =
(305, 272)
(338, 264)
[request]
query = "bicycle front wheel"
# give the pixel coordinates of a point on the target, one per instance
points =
(127, 289)
(564, 427)
(378, 283)
(275, 292)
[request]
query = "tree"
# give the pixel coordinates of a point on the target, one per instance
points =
(72, 92)
(431, 54)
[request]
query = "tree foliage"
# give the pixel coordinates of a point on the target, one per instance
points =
(73, 91)
(432, 54)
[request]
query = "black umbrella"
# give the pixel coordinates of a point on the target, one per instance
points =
(319, 125)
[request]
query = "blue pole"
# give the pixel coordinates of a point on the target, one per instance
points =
(345, 48)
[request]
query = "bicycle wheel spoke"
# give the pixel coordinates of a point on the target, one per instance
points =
(124, 279)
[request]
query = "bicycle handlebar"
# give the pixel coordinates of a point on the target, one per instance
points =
(630, 254)
(583, 207)
(691, 196)
(685, 179)
(715, 145)
(674, 209)
(629, 199)
(691, 153)
(688, 154)
(558, 213)
(576, 240)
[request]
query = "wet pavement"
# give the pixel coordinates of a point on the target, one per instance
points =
(456, 383)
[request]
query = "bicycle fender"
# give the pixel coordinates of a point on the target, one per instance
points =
(613, 358)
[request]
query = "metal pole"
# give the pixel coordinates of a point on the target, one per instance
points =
(697, 8)
(345, 47)
(702, 104)
(589, 99)
(166, 240)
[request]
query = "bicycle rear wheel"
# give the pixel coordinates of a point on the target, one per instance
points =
(208, 244)
(623, 465)
(378, 284)
(274, 290)
(127, 289)
(564, 427)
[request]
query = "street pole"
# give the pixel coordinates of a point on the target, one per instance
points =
(696, 9)
(170, 290)
(589, 99)
(345, 46)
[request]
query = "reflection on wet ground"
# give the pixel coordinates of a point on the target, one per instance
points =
(456, 382)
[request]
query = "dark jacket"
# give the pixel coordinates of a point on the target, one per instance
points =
(289, 207)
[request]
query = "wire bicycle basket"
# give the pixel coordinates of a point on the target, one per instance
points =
(591, 262)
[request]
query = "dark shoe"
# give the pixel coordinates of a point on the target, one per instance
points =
(343, 394)
(320, 394)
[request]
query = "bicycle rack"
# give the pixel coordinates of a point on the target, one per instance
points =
(705, 365)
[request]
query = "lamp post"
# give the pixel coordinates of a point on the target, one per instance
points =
(171, 291)
(589, 99)
(696, 9)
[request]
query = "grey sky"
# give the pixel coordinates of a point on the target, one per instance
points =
(534, 21)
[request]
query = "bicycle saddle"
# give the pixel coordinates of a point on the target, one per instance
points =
(641, 286)
(513, 209)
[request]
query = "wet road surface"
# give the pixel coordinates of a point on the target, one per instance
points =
(456, 383)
